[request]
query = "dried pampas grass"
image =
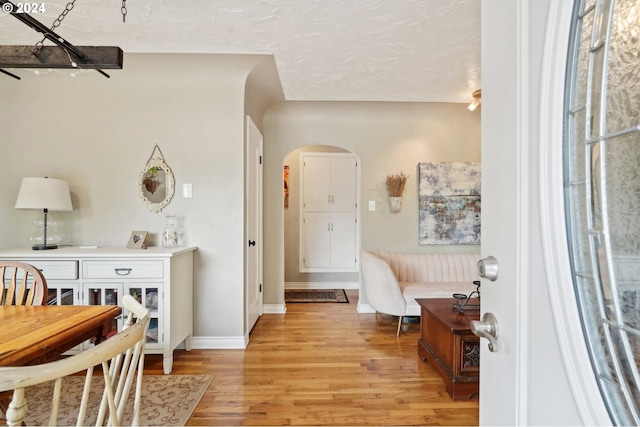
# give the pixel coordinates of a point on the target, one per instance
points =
(395, 184)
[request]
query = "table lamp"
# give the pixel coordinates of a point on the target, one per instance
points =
(47, 194)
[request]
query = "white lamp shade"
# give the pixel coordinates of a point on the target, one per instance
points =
(44, 193)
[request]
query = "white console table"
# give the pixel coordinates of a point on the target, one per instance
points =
(159, 278)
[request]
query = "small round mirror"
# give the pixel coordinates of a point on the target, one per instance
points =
(156, 185)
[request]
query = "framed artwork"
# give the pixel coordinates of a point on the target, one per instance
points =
(136, 240)
(286, 186)
(449, 203)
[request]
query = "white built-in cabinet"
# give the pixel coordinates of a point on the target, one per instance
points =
(329, 212)
(159, 278)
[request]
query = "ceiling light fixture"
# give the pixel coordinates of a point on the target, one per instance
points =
(477, 97)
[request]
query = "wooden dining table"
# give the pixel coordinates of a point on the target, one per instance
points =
(37, 334)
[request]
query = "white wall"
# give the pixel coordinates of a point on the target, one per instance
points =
(388, 138)
(98, 134)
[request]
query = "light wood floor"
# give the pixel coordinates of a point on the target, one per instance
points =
(322, 364)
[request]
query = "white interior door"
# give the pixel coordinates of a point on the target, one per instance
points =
(253, 292)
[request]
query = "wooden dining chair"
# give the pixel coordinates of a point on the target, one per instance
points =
(121, 358)
(23, 284)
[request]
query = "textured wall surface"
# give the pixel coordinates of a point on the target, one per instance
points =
(356, 50)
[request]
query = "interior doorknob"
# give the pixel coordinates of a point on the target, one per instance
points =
(252, 242)
(487, 328)
(488, 268)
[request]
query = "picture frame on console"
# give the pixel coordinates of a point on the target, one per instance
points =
(137, 240)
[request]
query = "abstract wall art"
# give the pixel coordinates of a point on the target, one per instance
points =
(449, 203)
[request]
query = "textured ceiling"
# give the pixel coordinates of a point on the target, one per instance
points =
(345, 50)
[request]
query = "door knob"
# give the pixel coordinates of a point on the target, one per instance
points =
(487, 328)
(488, 268)
(252, 242)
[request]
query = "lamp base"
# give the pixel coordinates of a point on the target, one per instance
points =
(43, 247)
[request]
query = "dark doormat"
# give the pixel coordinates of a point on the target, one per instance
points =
(315, 295)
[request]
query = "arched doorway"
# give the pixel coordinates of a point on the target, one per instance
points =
(293, 277)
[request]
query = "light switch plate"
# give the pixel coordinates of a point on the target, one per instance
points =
(187, 191)
(372, 205)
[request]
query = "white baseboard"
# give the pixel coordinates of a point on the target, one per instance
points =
(274, 308)
(322, 285)
(219, 343)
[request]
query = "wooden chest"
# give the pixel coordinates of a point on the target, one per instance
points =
(449, 345)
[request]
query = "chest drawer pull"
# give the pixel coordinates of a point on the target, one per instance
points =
(122, 271)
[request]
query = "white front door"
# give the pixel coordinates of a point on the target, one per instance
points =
(253, 291)
(502, 232)
(528, 379)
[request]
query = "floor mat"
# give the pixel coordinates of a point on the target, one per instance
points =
(315, 295)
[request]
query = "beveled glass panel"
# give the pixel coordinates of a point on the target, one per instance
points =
(603, 203)
(584, 45)
(623, 82)
(622, 178)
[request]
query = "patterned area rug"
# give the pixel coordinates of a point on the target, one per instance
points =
(167, 400)
(315, 295)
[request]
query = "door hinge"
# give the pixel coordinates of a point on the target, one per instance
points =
(260, 287)
(260, 160)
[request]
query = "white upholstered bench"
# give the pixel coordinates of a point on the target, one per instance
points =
(393, 281)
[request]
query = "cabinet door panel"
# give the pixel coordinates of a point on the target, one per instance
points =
(104, 294)
(149, 295)
(316, 172)
(330, 186)
(343, 184)
(62, 293)
(317, 241)
(343, 240)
